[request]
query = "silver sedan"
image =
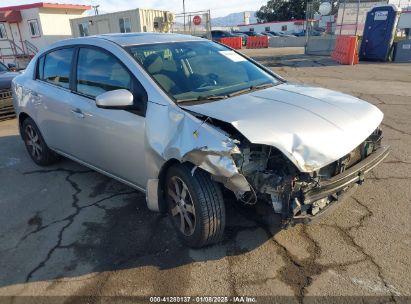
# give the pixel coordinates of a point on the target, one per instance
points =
(191, 122)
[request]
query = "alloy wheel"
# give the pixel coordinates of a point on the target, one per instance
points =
(182, 206)
(33, 142)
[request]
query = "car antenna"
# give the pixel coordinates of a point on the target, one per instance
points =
(195, 133)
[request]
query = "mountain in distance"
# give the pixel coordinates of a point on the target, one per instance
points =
(233, 19)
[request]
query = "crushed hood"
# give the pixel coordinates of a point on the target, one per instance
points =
(312, 126)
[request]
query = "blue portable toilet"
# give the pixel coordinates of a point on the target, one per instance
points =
(379, 32)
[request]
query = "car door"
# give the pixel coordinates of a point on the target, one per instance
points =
(51, 98)
(111, 140)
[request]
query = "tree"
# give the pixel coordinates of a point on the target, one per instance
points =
(282, 10)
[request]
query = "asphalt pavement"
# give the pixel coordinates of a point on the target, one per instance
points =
(68, 231)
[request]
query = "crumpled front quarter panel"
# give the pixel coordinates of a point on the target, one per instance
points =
(172, 133)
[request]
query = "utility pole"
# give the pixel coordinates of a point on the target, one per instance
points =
(342, 18)
(356, 20)
(184, 14)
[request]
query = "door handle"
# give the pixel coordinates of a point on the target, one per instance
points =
(77, 113)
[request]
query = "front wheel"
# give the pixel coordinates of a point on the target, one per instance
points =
(196, 206)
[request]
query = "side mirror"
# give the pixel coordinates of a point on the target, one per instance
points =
(117, 99)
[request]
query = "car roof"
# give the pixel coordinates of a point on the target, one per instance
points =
(145, 38)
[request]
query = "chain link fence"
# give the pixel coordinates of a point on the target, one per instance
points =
(193, 23)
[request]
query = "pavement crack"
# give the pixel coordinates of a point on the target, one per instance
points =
(345, 234)
(395, 129)
(297, 273)
(397, 162)
(70, 218)
(364, 217)
(389, 178)
(57, 170)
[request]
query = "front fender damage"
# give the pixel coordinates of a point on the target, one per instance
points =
(221, 166)
(173, 134)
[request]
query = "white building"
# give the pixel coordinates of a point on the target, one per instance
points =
(25, 29)
(136, 20)
(288, 27)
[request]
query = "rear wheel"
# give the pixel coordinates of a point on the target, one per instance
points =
(35, 144)
(196, 206)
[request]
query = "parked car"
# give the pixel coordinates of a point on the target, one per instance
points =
(280, 34)
(6, 102)
(190, 122)
(252, 34)
(269, 34)
(300, 34)
(243, 37)
(217, 35)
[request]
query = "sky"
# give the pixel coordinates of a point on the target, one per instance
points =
(218, 8)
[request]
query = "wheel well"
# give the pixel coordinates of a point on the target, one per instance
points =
(161, 184)
(22, 117)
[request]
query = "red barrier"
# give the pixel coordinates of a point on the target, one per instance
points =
(233, 42)
(345, 51)
(257, 42)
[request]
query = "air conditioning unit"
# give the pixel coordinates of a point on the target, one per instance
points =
(168, 17)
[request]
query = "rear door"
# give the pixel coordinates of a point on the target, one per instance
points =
(112, 140)
(52, 98)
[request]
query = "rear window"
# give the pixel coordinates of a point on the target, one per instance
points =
(55, 67)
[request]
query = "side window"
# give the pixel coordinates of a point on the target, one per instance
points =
(99, 72)
(56, 67)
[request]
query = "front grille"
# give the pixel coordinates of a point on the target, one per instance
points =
(5, 94)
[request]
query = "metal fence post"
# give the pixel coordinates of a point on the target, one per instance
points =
(356, 20)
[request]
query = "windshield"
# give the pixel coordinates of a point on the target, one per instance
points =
(3, 68)
(200, 70)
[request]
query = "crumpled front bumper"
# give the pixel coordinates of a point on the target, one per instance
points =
(339, 186)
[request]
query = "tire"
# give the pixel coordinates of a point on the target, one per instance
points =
(35, 144)
(202, 203)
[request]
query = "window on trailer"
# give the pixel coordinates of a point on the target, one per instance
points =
(125, 25)
(267, 29)
(3, 34)
(34, 28)
(284, 28)
(83, 29)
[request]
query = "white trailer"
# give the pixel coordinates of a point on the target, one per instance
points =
(136, 20)
(287, 27)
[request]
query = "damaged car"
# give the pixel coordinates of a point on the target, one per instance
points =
(189, 122)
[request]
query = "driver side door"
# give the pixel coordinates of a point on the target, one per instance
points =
(111, 140)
